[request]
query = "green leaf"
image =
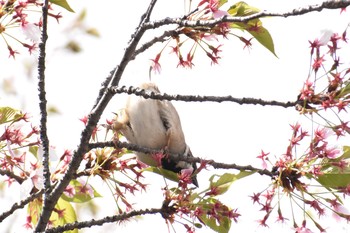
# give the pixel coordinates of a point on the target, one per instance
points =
(224, 182)
(264, 38)
(82, 16)
(254, 27)
(345, 155)
(222, 2)
(93, 32)
(80, 197)
(34, 210)
(344, 91)
(163, 172)
(222, 227)
(34, 150)
(242, 9)
(73, 46)
(51, 109)
(62, 3)
(334, 180)
(67, 215)
(327, 163)
(333, 176)
(198, 225)
(8, 114)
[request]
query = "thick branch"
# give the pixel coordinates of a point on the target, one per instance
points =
(42, 98)
(180, 157)
(104, 99)
(43, 113)
(210, 23)
(91, 123)
(99, 222)
(196, 98)
(104, 86)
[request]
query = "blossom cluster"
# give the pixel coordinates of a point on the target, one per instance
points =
(183, 205)
(13, 16)
(313, 172)
(17, 139)
(307, 179)
(187, 40)
(328, 89)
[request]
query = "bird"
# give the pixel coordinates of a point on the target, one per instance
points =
(154, 124)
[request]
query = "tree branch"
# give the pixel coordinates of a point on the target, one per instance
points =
(331, 4)
(92, 122)
(42, 98)
(11, 175)
(20, 205)
(196, 98)
(144, 18)
(180, 157)
(99, 222)
(104, 86)
(156, 39)
(50, 201)
(43, 113)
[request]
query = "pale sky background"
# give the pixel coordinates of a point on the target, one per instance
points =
(226, 132)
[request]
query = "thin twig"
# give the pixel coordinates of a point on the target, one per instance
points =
(182, 22)
(144, 18)
(20, 205)
(241, 19)
(104, 86)
(91, 124)
(196, 98)
(135, 39)
(180, 157)
(99, 222)
(11, 175)
(156, 39)
(129, 52)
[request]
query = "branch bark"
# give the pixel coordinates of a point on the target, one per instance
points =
(180, 157)
(196, 98)
(20, 205)
(43, 113)
(99, 222)
(12, 175)
(106, 93)
(94, 117)
(331, 4)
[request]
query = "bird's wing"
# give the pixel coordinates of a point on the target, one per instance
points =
(171, 122)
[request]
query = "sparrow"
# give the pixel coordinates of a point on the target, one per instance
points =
(154, 124)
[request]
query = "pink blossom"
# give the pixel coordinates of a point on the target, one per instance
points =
(325, 37)
(185, 177)
(321, 134)
(332, 153)
(85, 188)
(219, 13)
(263, 157)
(28, 225)
(31, 31)
(341, 210)
(69, 191)
(37, 178)
(155, 64)
(303, 229)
